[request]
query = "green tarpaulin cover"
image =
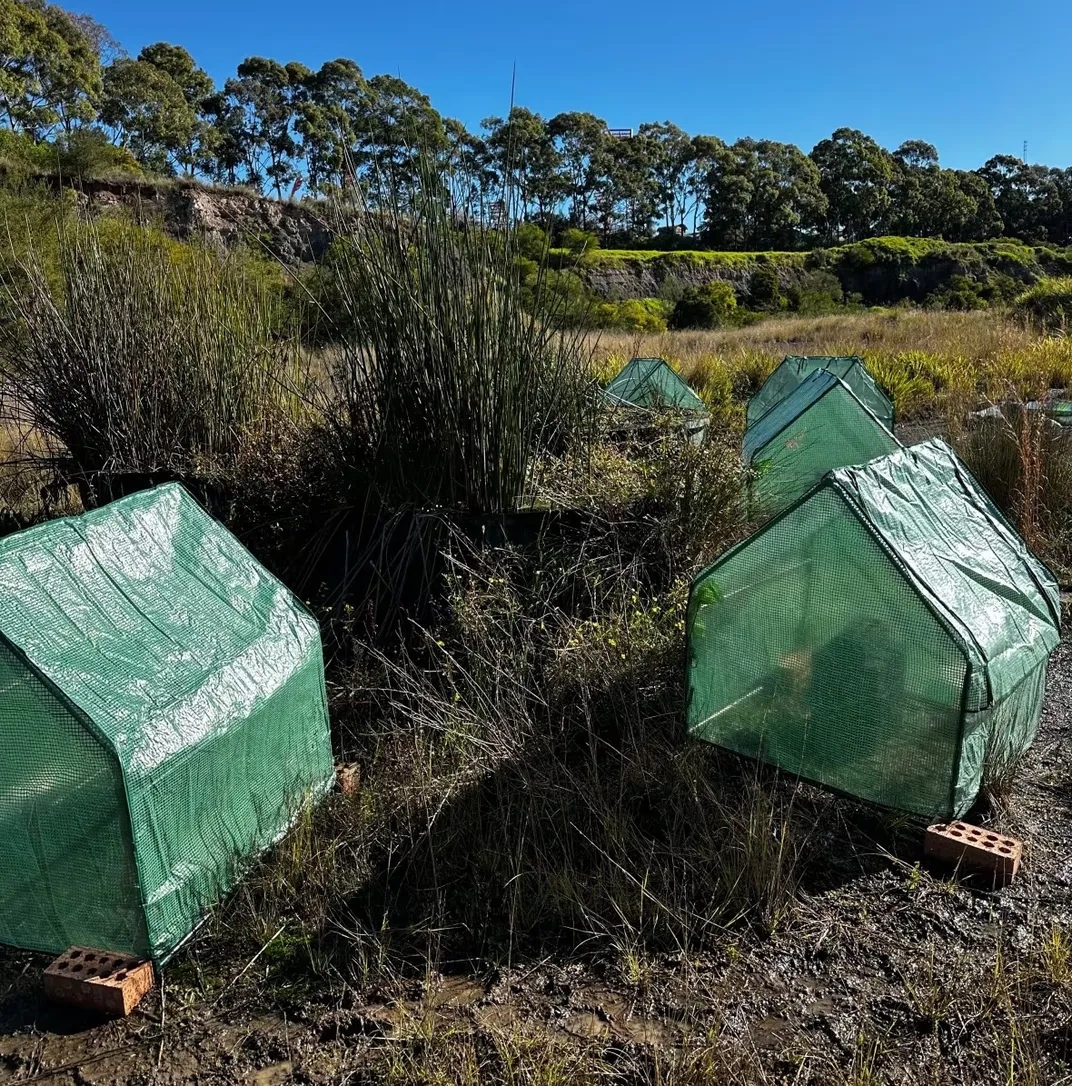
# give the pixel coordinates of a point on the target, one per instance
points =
(651, 383)
(885, 636)
(163, 720)
(819, 426)
(795, 369)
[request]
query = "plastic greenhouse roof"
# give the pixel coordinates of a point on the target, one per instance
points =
(964, 559)
(788, 409)
(794, 369)
(152, 620)
(651, 382)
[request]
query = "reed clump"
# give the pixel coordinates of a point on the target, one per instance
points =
(452, 371)
(135, 354)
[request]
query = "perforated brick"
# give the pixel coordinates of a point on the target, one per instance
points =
(973, 849)
(98, 980)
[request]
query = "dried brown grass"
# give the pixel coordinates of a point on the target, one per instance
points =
(978, 335)
(927, 362)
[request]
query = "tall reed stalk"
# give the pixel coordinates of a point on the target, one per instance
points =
(453, 373)
(136, 355)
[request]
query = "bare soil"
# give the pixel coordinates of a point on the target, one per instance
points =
(883, 972)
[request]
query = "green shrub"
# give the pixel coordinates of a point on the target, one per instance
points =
(765, 288)
(532, 242)
(710, 306)
(817, 292)
(84, 154)
(89, 153)
(579, 241)
(631, 315)
(960, 293)
(1048, 304)
(22, 154)
(672, 290)
(647, 314)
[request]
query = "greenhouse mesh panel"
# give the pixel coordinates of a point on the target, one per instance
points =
(808, 649)
(202, 674)
(995, 739)
(814, 436)
(201, 820)
(651, 383)
(66, 863)
(794, 370)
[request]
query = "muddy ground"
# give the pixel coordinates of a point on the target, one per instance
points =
(882, 973)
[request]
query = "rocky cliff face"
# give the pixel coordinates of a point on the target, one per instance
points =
(882, 271)
(295, 233)
(619, 278)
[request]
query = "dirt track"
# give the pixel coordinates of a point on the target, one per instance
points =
(881, 969)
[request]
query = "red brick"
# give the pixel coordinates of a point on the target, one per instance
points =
(98, 980)
(348, 778)
(973, 849)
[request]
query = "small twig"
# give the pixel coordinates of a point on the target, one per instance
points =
(10, 988)
(163, 1020)
(247, 966)
(78, 1064)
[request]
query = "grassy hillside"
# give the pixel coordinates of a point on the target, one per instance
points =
(879, 271)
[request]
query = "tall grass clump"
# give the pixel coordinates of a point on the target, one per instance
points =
(452, 370)
(135, 354)
(1024, 460)
(547, 796)
(1047, 305)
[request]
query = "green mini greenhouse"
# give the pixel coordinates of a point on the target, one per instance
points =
(651, 383)
(885, 636)
(163, 720)
(795, 369)
(819, 426)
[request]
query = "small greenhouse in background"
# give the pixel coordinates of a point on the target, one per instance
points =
(819, 426)
(651, 383)
(163, 720)
(646, 387)
(794, 370)
(884, 636)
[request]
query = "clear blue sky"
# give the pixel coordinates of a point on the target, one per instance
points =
(974, 78)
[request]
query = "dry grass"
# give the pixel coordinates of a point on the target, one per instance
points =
(138, 359)
(527, 780)
(973, 335)
(529, 794)
(927, 362)
(24, 492)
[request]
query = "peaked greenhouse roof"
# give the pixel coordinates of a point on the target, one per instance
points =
(795, 369)
(152, 619)
(651, 383)
(965, 560)
(819, 426)
(886, 635)
(784, 413)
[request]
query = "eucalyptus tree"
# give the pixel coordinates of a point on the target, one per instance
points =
(50, 71)
(580, 140)
(855, 176)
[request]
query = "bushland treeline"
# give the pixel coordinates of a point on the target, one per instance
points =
(70, 97)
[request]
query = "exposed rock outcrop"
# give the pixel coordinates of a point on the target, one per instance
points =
(619, 277)
(294, 232)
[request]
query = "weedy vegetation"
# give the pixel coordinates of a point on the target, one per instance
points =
(133, 355)
(530, 812)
